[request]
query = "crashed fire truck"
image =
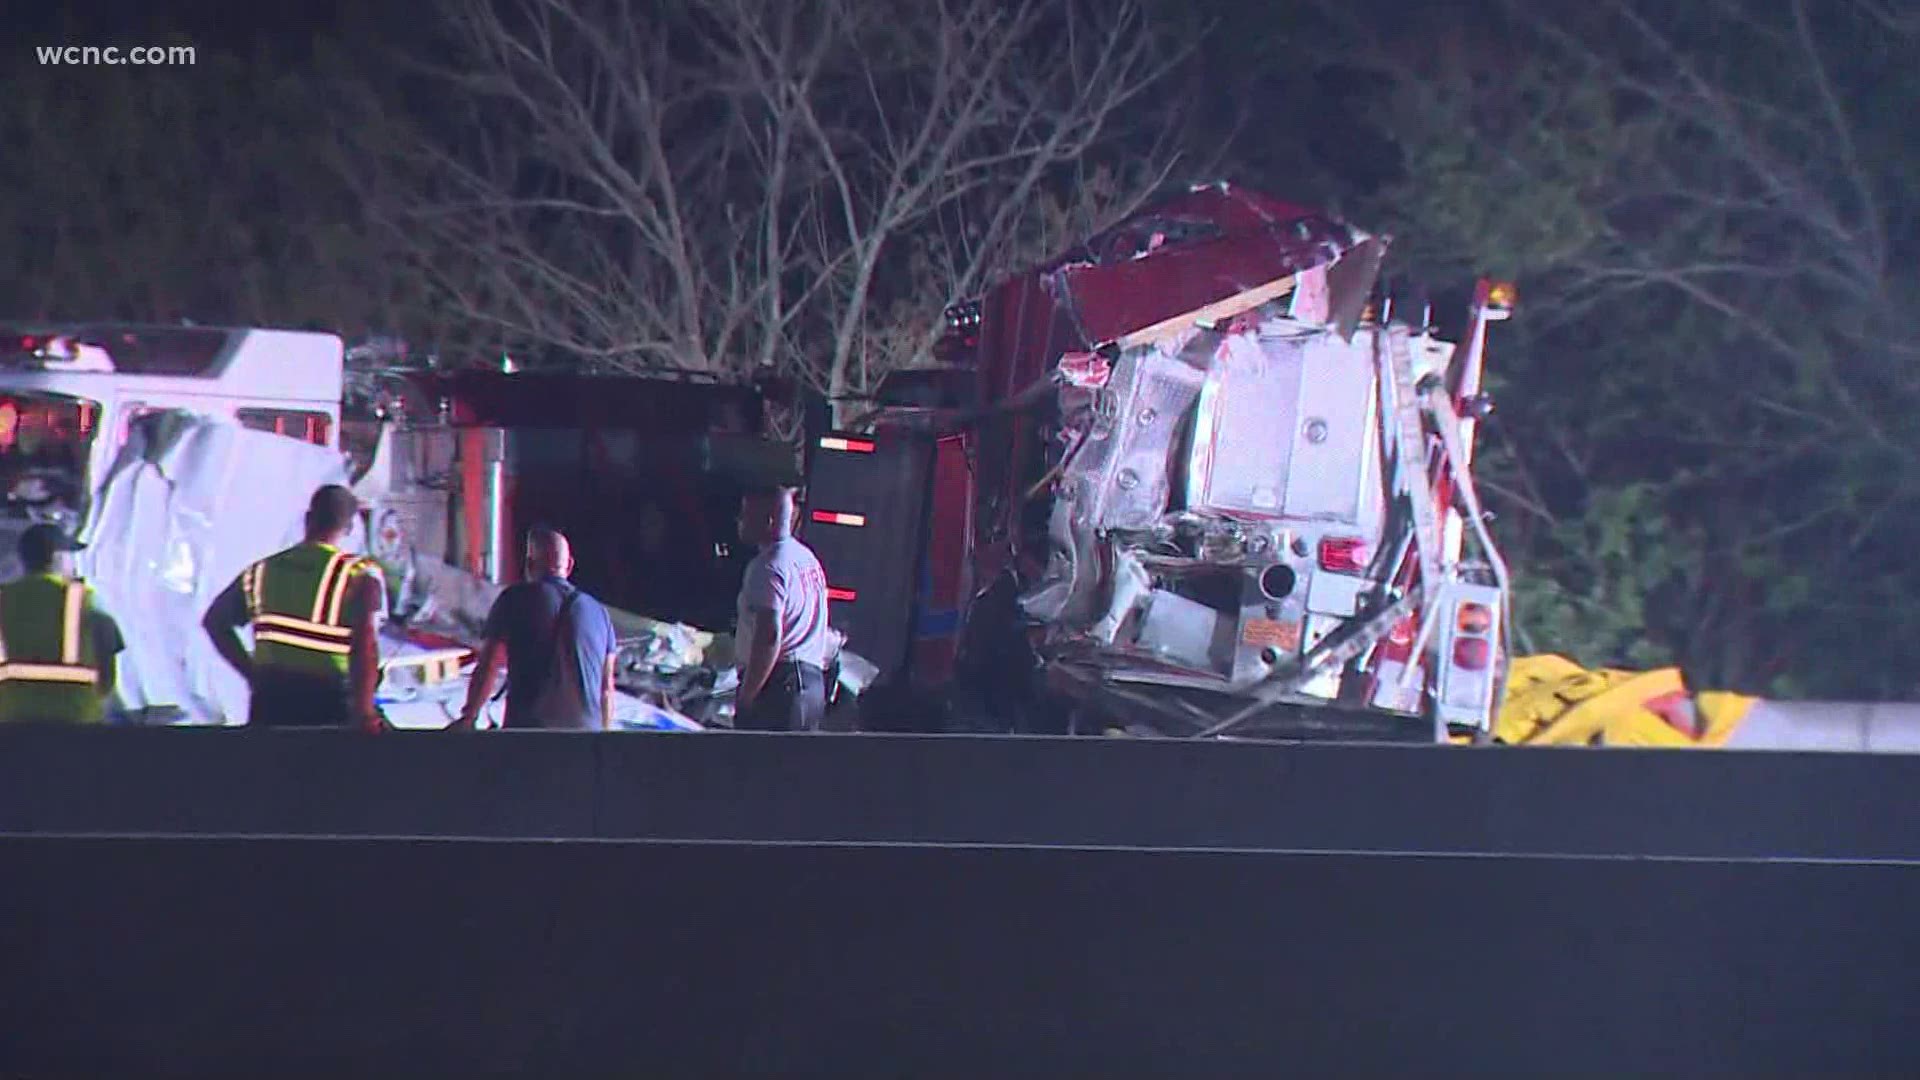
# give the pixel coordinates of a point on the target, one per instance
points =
(1196, 477)
(1232, 491)
(1200, 477)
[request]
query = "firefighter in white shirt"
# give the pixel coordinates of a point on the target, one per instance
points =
(783, 638)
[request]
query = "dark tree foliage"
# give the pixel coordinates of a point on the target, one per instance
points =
(1708, 453)
(212, 193)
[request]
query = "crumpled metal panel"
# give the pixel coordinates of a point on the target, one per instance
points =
(1118, 477)
(1068, 585)
(1123, 472)
(1214, 243)
(1203, 210)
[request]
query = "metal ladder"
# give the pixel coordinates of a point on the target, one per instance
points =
(1410, 451)
(1413, 402)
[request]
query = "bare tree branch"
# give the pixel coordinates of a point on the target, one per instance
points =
(746, 186)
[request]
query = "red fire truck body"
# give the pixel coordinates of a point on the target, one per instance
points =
(1197, 476)
(642, 475)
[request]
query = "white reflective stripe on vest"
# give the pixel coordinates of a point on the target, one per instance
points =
(322, 591)
(297, 641)
(302, 626)
(70, 620)
(54, 673)
(340, 587)
(69, 669)
(250, 583)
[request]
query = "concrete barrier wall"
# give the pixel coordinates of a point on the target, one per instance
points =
(1866, 727)
(284, 958)
(961, 790)
(276, 904)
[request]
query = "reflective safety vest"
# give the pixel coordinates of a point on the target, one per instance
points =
(49, 667)
(296, 601)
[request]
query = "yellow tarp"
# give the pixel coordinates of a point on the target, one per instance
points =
(1552, 701)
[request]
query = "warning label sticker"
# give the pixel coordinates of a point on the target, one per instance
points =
(1284, 636)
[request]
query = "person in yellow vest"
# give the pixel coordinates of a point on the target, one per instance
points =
(315, 611)
(58, 650)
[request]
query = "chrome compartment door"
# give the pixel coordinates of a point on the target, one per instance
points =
(1335, 475)
(1241, 449)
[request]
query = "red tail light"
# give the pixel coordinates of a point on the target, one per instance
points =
(830, 517)
(841, 594)
(858, 446)
(1343, 554)
(1472, 654)
(1475, 618)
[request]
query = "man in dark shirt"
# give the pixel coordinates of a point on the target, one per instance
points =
(556, 643)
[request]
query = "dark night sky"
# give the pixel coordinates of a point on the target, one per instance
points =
(222, 20)
(222, 24)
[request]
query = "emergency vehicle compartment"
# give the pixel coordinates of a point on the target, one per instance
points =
(1285, 429)
(46, 440)
(1220, 502)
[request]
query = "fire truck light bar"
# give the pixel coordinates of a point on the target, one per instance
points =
(841, 594)
(829, 517)
(858, 446)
